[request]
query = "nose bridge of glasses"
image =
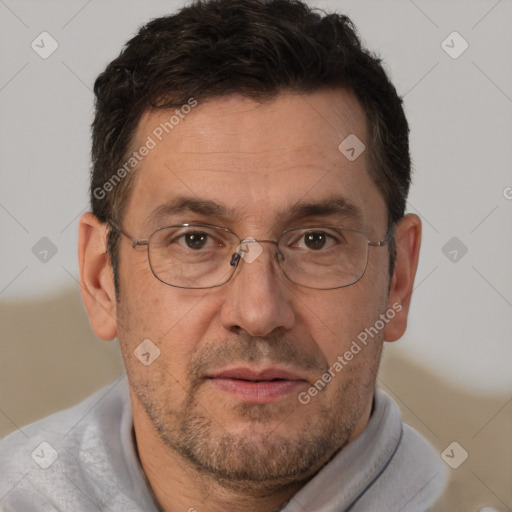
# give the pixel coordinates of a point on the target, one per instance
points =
(250, 249)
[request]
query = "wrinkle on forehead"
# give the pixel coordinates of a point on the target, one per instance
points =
(322, 118)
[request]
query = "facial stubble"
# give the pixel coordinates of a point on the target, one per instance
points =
(273, 444)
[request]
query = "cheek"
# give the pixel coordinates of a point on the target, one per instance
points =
(338, 318)
(174, 320)
(152, 308)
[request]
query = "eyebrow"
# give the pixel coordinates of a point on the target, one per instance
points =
(334, 205)
(183, 204)
(330, 206)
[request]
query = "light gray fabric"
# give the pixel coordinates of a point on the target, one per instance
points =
(388, 468)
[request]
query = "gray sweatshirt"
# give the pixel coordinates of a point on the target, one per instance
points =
(84, 459)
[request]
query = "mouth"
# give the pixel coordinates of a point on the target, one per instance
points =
(263, 386)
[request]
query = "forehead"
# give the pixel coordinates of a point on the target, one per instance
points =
(256, 158)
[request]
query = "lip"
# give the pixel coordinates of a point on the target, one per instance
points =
(249, 374)
(257, 386)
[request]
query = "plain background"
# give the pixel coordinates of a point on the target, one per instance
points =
(450, 373)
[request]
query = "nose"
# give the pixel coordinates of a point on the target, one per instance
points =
(257, 297)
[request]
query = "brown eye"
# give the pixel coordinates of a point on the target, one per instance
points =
(196, 240)
(315, 240)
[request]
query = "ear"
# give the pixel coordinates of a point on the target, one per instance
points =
(408, 241)
(96, 276)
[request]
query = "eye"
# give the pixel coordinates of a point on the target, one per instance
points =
(195, 240)
(314, 241)
(188, 240)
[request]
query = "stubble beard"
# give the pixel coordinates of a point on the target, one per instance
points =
(261, 454)
(273, 449)
(260, 457)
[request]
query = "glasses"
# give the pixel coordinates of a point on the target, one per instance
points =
(199, 256)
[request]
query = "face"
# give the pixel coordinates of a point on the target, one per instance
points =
(231, 389)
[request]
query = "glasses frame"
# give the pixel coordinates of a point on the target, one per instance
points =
(235, 258)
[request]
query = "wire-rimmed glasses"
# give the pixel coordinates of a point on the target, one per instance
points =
(199, 256)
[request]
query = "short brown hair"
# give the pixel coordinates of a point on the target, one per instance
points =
(257, 48)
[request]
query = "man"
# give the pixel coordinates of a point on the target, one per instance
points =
(248, 247)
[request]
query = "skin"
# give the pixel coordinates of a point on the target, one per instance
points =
(202, 447)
